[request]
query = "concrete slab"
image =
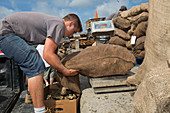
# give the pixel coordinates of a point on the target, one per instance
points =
(121, 102)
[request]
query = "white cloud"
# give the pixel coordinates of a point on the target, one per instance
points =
(44, 7)
(110, 6)
(5, 11)
(80, 3)
(84, 3)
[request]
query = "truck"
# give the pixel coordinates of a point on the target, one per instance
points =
(12, 82)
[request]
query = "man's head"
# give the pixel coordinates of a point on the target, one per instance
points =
(73, 24)
(123, 8)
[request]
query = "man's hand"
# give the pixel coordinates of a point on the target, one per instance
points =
(50, 56)
(71, 72)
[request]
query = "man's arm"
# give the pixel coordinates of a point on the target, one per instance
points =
(111, 16)
(51, 58)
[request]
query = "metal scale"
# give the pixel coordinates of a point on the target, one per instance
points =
(102, 31)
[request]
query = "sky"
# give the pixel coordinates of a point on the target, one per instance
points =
(85, 9)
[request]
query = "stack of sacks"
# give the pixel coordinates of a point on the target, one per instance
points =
(132, 22)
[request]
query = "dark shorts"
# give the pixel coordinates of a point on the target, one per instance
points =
(25, 55)
(50, 72)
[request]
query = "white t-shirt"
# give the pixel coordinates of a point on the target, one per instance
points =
(40, 49)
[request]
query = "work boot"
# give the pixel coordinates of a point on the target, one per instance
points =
(48, 111)
(28, 99)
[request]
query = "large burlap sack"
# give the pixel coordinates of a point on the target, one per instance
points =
(135, 10)
(122, 23)
(102, 60)
(122, 34)
(141, 29)
(152, 77)
(153, 94)
(157, 43)
(117, 41)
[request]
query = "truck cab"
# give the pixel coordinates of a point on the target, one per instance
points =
(12, 82)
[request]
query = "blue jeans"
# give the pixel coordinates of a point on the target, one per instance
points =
(25, 55)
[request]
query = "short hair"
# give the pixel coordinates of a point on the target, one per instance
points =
(75, 18)
(123, 8)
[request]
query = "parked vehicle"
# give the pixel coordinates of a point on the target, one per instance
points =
(12, 82)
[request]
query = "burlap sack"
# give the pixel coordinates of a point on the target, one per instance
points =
(122, 23)
(139, 18)
(134, 24)
(157, 42)
(153, 94)
(68, 57)
(141, 29)
(139, 53)
(71, 83)
(117, 41)
(122, 34)
(102, 60)
(135, 10)
(139, 43)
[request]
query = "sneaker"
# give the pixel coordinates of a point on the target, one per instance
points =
(28, 99)
(48, 111)
(47, 84)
